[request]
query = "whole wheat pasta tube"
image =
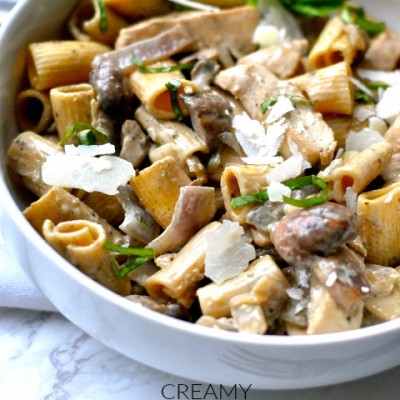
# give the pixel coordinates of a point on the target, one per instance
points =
(262, 283)
(238, 180)
(72, 105)
(136, 9)
(81, 242)
(158, 188)
(154, 95)
(33, 110)
(329, 88)
(25, 157)
(378, 215)
(62, 62)
(58, 205)
(337, 42)
(180, 279)
(86, 23)
(360, 169)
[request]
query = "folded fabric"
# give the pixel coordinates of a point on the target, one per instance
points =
(16, 290)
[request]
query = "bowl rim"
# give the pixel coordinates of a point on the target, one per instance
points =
(11, 208)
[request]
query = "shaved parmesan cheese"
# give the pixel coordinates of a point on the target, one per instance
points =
(103, 174)
(255, 140)
(363, 112)
(276, 191)
(90, 151)
(361, 86)
(378, 124)
(390, 78)
(266, 35)
(389, 107)
(359, 141)
(350, 198)
(283, 106)
(289, 169)
(227, 252)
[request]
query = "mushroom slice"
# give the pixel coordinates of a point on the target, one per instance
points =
(344, 276)
(138, 223)
(195, 208)
(210, 115)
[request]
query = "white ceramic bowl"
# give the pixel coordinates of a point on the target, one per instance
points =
(168, 344)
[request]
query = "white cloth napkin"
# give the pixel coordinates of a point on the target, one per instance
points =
(16, 290)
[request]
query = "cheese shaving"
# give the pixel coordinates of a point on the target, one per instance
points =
(389, 107)
(289, 169)
(283, 106)
(277, 190)
(359, 141)
(103, 174)
(390, 78)
(90, 151)
(227, 252)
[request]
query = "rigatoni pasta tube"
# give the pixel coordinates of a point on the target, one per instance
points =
(158, 188)
(378, 224)
(360, 169)
(72, 105)
(61, 62)
(337, 42)
(86, 23)
(58, 205)
(81, 242)
(216, 300)
(180, 279)
(238, 180)
(33, 110)
(329, 88)
(25, 157)
(151, 90)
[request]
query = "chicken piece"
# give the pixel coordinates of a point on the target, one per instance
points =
(283, 59)
(230, 29)
(384, 51)
(326, 315)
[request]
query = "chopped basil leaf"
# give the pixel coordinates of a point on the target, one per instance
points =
(376, 86)
(81, 130)
(142, 255)
(313, 8)
(173, 86)
(266, 104)
(356, 15)
(156, 70)
(103, 16)
(143, 222)
(87, 137)
(292, 184)
(130, 251)
(121, 271)
(361, 97)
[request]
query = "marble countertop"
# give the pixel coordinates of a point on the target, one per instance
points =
(45, 357)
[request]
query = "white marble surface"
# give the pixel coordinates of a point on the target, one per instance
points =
(45, 357)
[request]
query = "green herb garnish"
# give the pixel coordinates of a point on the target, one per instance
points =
(155, 70)
(143, 222)
(103, 16)
(313, 8)
(292, 184)
(173, 86)
(362, 97)
(376, 86)
(266, 104)
(356, 15)
(142, 255)
(86, 133)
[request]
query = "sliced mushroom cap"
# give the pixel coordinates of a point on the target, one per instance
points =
(210, 115)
